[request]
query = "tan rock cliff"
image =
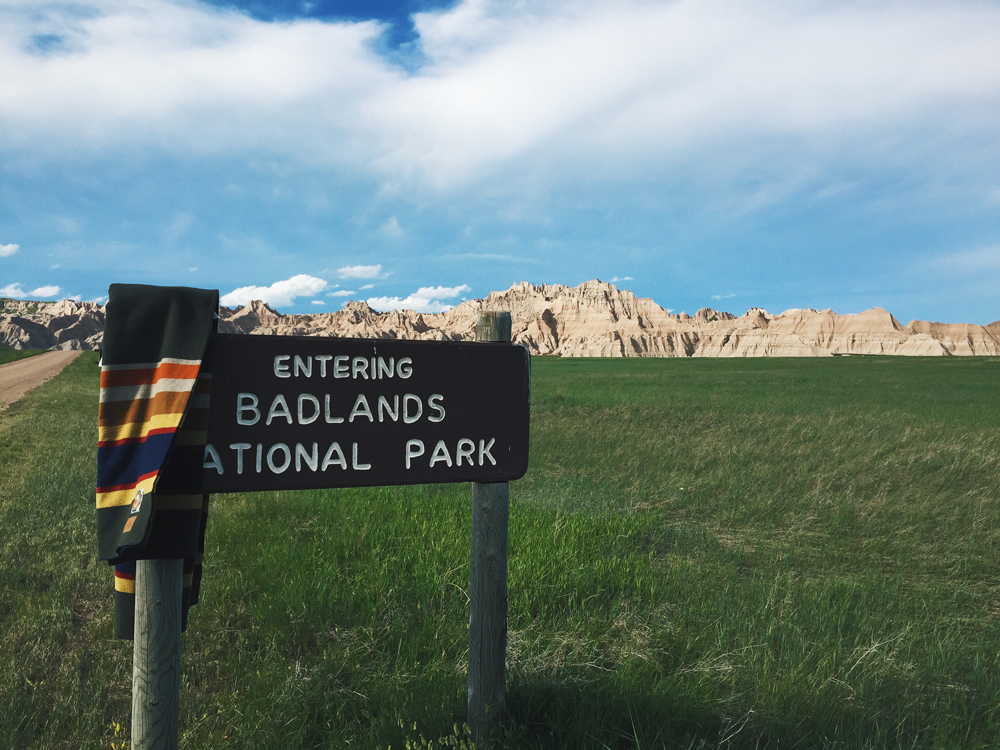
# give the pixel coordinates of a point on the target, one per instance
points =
(51, 325)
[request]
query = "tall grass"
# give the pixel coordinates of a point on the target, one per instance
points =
(738, 554)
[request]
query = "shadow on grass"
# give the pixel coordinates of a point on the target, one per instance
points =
(550, 715)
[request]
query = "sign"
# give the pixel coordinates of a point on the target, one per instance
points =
(290, 412)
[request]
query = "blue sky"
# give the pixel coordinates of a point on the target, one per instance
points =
(702, 152)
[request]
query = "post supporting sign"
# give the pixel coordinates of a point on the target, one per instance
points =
(488, 586)
(291, 412)
(156, 655)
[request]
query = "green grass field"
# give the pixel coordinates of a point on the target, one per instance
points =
(7, 354)
(704, 554)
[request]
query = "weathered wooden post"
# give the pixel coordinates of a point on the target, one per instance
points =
(488, 590)
(156, 656)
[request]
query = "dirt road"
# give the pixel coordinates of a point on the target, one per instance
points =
(17, 378)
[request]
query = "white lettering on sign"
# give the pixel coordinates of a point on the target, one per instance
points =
(308, 398)
(242, 408)
(310, 457)
(409, 398)
(239, 448)
(303, 366)
(440, 454)
(270, 458)
(279, 408)
(361, 409)
(344, 366)
(485, 451)
(359, 366)
(326, 412)
(393, 410)
(340, 406)
(465, 449)
(355, 464)
(436, 407)
(308, 409)
(280, 457)
(212, 459)
(329, 460)
(414, 449)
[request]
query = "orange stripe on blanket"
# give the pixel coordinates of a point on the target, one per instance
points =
(116, 378)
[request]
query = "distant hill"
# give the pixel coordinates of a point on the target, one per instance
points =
(594, 319)
(51, 325)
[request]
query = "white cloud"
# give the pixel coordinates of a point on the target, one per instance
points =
(44, 291)
(317, 302)
(279, 294)
(428, 299)
(620, 278)
(360, 272)
(722, 296)
(587, 84)
(7, 250)
(100, 300)
(341, 293)
(367, 286)
(15, 290)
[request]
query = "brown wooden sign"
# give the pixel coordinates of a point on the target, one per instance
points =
(291, 412)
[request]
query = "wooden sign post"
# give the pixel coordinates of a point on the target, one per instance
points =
(488, 587)
(156, 655)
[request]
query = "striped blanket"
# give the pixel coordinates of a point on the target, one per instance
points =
(152, 426)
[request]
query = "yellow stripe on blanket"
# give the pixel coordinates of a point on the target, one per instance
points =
(116, 498)
(132, 430)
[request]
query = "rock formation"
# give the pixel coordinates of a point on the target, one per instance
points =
(51, 325)
(593, 319)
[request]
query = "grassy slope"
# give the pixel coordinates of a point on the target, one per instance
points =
(750, 553)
